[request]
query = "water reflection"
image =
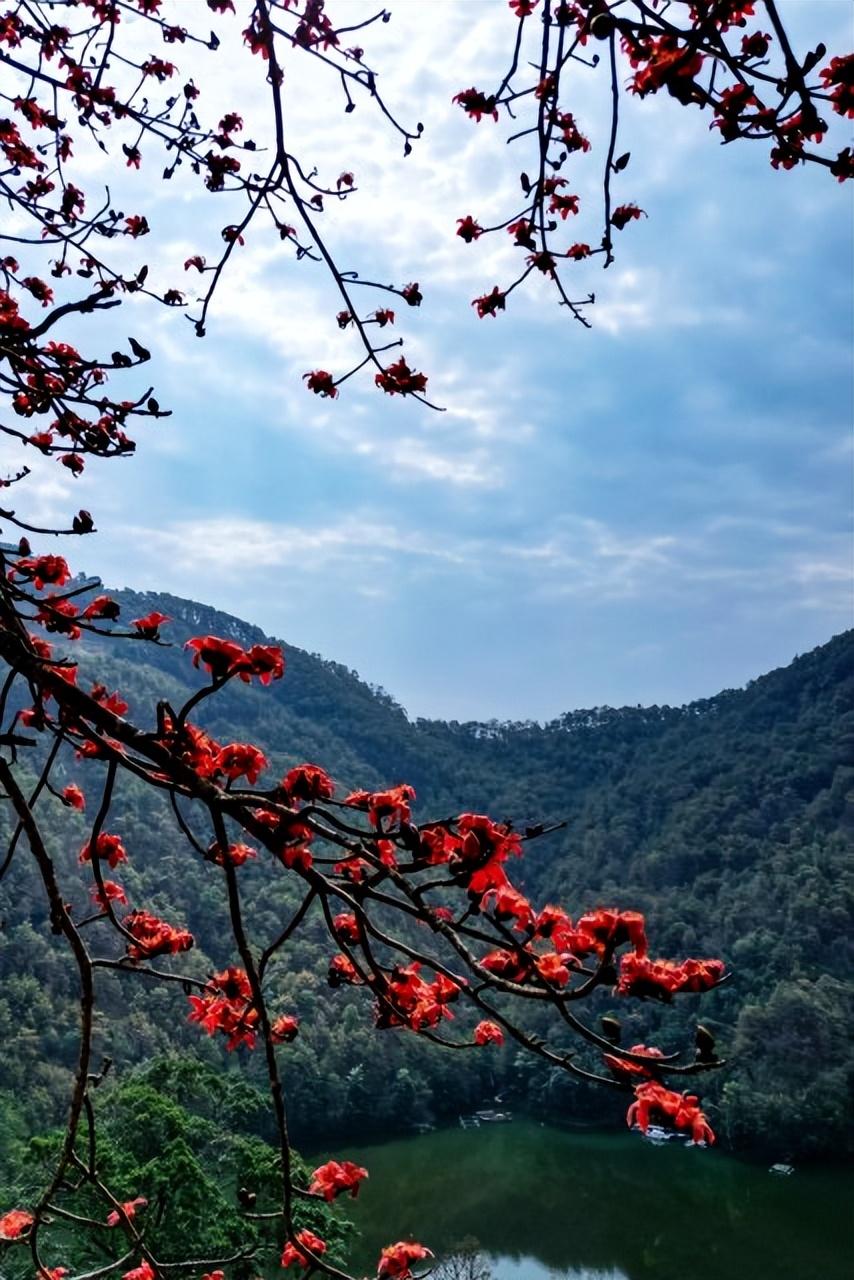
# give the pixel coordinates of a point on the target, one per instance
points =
(546, 1204)
(526, 1268)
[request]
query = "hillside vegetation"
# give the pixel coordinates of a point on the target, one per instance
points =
(728, 821)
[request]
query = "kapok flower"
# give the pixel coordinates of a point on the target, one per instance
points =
(41, 571)
(308, 782)
(293, 1251)
(489, 304)
(128, 1211)
(468, 229)
(396, 1259)
(488, 1033)
(227, 1006)
(321, 383)
(476, 104)
(285, 1028)
(155, 936)
(625, 213)
(330, 1179)
(239, 758)
(399, 379)
(15, 1223)
(654, 1102)
(108, 847)
(112, 893)
(73, 797)
(143, 1272)
(149, 626)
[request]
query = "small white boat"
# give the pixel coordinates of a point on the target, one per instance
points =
(782, 1169)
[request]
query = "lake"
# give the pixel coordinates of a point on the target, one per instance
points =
(546, 1203)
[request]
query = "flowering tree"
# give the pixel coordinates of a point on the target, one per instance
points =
(79, 77)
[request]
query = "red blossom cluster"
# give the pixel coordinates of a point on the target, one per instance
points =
(399, 379)
(225, 658)
(154, 937)
(662, 979)
(294, 1252)
(656, 1104)
(227, 1007)
(396, 1259)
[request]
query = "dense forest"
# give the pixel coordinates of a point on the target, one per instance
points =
(726, 821)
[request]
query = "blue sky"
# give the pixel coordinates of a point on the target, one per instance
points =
(648, 511)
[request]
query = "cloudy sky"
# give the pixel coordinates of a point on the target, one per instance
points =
(647, 511)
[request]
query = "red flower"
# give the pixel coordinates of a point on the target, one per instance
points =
(488, 1033)
(662, 979)
(321, 383)
(654, 1102)
(523, 233)
(412, 295)
(342, 972)
(564, 205)
(578, 251)
(149, 626)
(399, 379)
(73, 797)
(476, 104)
(756, 44)
(42, 571)
(330, 1179)
(73, 462)
(468, 229)
(155, 936)
(112, 893)
(102, 607)
(238, 853)
(839, 76)
(227, 1006)
(241, 758)
(107, 846)
(142, 1272)
(220, 657)
(625, 213)
(128, 1211)
(523, 8)
(284, 1029)
(490, 303)
(345, 927)
(393, 804)
(508, 903)
(552, 969)
(611, 928)
(308, 782)
(14, 1223)
(136, 225)
(383, 317)
(293, 1253)
(196, 261)
(396, 1259)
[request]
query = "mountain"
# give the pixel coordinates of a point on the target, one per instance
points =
(729, 821)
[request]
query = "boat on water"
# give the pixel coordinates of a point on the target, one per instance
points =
(493, 1117)
(782, 1169)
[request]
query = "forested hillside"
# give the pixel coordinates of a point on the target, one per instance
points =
(729, 822)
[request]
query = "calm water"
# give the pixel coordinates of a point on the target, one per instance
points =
(589, 1206)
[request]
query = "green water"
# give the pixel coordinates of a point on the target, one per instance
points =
(544, 1203)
